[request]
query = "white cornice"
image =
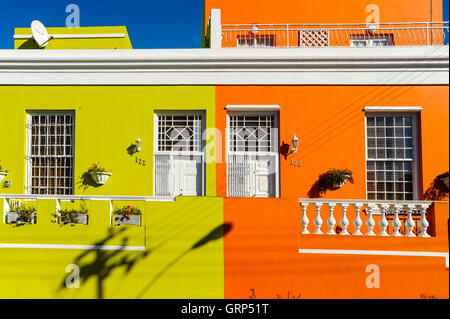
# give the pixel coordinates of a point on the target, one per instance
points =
(393, 109)
(274, 66)
(75, 36)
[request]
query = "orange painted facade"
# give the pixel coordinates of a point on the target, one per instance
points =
(261, 254)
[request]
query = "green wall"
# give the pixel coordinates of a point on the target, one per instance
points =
(108, 120)
(183, 255)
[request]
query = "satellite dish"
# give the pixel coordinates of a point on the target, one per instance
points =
(40, 34)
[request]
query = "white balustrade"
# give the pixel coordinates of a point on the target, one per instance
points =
(387, 214)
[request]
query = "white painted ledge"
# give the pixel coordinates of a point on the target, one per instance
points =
(393, 109)
(377, 252)
(75, 36)
(247, 108)
(258, 66)
(79, 247)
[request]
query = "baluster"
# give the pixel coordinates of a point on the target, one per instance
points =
(331, 221)
(318, 221)
(396, 223)
(383, 221)
(357, 222)
(423, 220)
(409, 223)
(344, 219)
(370, 222)
(304, 220)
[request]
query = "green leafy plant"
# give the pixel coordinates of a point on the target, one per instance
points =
(127, 211)
(334, 178)
(25, 213)
(96, 168)
(71, 216)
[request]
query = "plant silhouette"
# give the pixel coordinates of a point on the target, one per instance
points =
(217, 233)
(105, 262)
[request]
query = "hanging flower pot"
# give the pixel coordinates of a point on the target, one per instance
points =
(334, 179)
(3, 173)
(99, 174)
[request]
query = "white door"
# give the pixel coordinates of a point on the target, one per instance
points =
(252, 145)
(179, 156)
(263, 178)
(187, 176)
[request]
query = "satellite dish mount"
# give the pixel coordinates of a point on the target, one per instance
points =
(40, 34)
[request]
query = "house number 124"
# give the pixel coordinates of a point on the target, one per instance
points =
(140, 161)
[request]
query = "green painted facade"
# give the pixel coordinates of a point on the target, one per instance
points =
(182, 239)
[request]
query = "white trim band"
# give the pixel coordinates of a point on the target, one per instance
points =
(393, 109)
(277, 66)
(82, 247)
(259, 108)
(376, 252)
(75, 36)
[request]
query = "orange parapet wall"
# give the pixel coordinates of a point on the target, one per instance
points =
(262, 258)
(324, 11)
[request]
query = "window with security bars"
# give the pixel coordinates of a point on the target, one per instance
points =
(50, 153)
(180, 133)
(371, 40)
(391, 150)
(256, 41)
(252, 133)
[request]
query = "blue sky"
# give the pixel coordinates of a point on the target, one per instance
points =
(150, 23)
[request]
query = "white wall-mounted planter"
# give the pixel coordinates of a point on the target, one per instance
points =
(82, 219)
(2, 176)
(122, 220)
(336, 185)
(13, 218)
(100, 177)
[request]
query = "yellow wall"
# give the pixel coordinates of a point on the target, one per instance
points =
(172, 265)
(82, 43)
(108, 119)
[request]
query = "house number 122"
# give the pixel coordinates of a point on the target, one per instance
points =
(140, 161)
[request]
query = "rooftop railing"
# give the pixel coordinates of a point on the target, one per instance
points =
(332, 35)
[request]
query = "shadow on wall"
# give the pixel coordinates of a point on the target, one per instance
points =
(29, 44)
(103, 262)
(217, 233)
(438, 189)
(99, 264)
(87, 181)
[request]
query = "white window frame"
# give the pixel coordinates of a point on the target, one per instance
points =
(200, 154)
(392, 112)
(255, 43)
(370, 40)
(28, 157)
(275, 153)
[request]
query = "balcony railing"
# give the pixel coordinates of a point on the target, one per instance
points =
(333, 35)
(407, 218)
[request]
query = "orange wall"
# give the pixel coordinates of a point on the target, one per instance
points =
(322, 11)
(261, 253)
(329, 122)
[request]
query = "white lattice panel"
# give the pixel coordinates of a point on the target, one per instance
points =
(314, 38)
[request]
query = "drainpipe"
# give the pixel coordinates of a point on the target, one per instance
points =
(216, 29)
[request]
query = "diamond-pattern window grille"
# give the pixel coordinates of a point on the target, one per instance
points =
(313, 38)
(179, 133)
(252, 133)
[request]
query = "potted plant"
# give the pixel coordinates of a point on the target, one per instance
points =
(443, 178)
(128, 215)
(73, 216)
(3, 173)
(99, 174)
(335, 178)
(21, 214)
